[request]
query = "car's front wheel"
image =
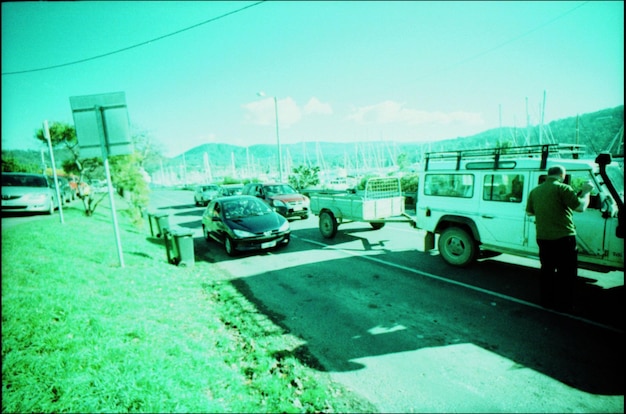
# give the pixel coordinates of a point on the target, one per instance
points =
(229, 246)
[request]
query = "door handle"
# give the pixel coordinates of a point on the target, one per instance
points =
(488, 217)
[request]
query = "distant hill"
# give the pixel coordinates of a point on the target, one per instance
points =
(600, 131)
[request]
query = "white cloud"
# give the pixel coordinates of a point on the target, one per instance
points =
(262, 112)
(314, 106)
(389, 112)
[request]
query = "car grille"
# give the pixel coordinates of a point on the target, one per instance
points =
(267, 233)
(10, 197)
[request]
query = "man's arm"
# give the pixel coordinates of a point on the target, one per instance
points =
(584, 197)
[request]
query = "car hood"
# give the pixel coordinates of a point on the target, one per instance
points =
(19, 191)
(257, 224)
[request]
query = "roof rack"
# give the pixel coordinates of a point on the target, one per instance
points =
(530, 151)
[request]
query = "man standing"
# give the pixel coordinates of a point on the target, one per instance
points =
(552, 203)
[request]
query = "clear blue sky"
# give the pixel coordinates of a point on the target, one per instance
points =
(341, 71)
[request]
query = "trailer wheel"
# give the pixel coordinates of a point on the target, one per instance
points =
(328, 224)
(457, 247)
(377, 226)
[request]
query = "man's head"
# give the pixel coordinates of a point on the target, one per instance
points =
(557, 171)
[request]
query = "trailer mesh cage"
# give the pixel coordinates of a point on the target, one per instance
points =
(382, 187)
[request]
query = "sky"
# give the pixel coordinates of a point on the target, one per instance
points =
(407, 71)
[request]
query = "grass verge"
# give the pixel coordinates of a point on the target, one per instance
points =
(82, 334)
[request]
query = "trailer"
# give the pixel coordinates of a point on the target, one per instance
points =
(380, 202)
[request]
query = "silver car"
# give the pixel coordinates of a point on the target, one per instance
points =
(27, 193)
(205, 193)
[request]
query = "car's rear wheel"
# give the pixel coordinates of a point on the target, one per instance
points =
(328, 224)
(457, 247)
(229, 246)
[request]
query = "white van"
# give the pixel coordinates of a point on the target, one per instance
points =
(475, 201)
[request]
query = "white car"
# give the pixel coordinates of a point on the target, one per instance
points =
(27, 193)
(205, 193)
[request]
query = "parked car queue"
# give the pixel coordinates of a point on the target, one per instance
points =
(251, 217)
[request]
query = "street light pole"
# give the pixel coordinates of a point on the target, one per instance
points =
(280, 151)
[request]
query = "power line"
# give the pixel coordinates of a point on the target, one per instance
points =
(541, 26)
(136, 45)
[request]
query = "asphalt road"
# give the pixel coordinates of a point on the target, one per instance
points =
(412, 334)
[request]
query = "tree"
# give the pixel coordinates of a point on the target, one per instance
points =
(10, 164)
(127, 174)
(403, 161)
(304, 176)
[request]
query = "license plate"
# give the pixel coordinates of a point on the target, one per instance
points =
(297, 208)
(268, 244)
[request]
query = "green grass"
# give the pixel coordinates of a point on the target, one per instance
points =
(82, 334)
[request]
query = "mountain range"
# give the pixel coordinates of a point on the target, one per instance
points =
(600, 131)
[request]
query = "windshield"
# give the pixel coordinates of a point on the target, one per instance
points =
(245, 208)
(272, 190)
(11, 180)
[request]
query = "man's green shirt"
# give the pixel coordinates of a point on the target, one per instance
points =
(552, 203)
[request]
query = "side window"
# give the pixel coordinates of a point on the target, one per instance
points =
(503, 187)
(577, 179)
(449, 185)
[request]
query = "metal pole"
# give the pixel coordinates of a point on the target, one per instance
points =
(46, 132)
(280, 152)
(543, 111)
(113, 213)
(100, 119)
(43, 162)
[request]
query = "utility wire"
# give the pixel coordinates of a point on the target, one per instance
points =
(462, 62)
(136, 45)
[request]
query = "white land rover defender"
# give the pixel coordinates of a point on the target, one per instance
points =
(475, 200)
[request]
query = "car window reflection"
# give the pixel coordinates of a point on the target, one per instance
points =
(244, 208)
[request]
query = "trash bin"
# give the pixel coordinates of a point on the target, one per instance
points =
(158, 223)
(179, 247)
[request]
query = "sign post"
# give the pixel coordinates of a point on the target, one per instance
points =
(102, 129)
(46, 133)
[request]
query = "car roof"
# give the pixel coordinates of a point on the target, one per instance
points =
(23, 174)
(236, 198)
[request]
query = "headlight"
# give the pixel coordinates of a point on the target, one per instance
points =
(284, 227)
(243, 233)
(278, 203)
